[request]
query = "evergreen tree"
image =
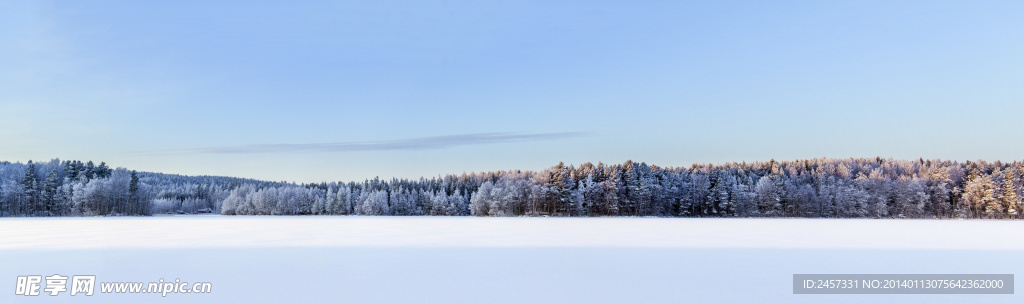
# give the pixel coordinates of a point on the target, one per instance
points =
(71, 169)
(49, 193)
(1009, 196)
(979, 196)
(88, 172)
(479, 203)
(939, 192)
(718, 197)
(134, 202)
(767, 197)
(560, 184)
(103, 171)
(30, 186)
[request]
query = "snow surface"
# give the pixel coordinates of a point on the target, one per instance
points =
(348, 259)
(364, 231)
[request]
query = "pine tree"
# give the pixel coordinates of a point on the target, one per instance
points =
(49, 193)
(479, 203)
(71, 169)
(88, 172)
(30, 186)
(103, 171)
(133, 195)
(629, 189)
(767, 197)
(1009, 196)
(561, 184)
(939, 190)
(718, 196)
(979, 195)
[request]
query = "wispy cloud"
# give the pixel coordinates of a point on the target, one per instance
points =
(419, 143)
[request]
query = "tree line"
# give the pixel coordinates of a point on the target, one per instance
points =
(821, 187)
(74, 188)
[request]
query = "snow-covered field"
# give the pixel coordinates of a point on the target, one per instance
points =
(276, 259)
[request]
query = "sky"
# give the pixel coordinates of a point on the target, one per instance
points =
(339, 90)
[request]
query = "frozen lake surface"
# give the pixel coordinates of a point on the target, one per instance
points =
(272, 259)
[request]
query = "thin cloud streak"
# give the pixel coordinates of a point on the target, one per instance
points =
(420, 143)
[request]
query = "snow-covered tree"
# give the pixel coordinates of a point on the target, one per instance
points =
(980, 196)
(480, 203)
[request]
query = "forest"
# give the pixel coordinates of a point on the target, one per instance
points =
(813, 188)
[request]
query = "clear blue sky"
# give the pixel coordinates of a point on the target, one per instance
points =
(316, 91)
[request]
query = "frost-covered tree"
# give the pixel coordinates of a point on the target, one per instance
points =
(767, 197)
(30, 191)
(480, 203)
(869, 187)
(374, 203)
(939, 191)
(1011, 202)
(979, 196)
(49, 195)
